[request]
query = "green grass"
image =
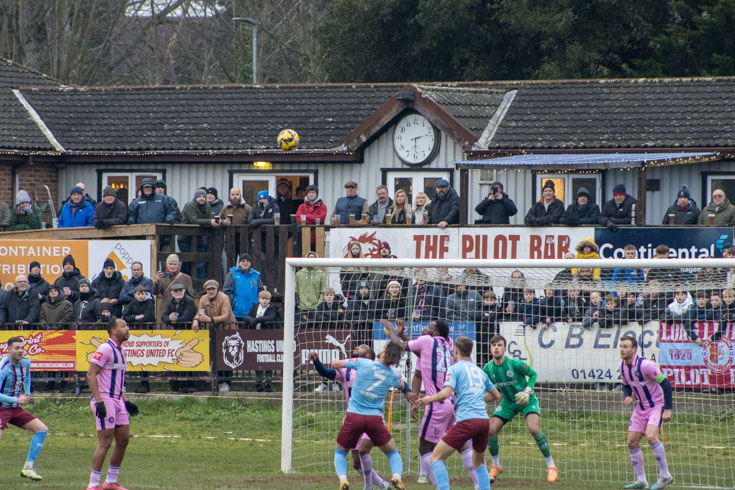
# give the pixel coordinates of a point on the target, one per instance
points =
(230, 443)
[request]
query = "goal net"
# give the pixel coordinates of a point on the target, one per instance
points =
(564, 318)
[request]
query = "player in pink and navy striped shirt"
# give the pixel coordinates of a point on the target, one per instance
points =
(645, 388)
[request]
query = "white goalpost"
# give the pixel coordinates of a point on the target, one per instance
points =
(564, 318)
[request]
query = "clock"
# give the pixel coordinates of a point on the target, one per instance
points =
(415, 140)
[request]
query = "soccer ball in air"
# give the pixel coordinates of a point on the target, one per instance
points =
(288, 139)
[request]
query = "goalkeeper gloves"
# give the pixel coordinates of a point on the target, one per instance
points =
(100, 410)
(132, 408)
(522, 397)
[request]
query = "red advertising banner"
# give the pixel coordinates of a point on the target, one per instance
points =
(243, 350)
(688, 365)
(48, 350)
(331, 345)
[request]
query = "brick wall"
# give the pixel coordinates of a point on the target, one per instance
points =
(29, 176)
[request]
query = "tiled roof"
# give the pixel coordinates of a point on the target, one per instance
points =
(473, 107)
(186, 118)
(18, 131)
(633, 113)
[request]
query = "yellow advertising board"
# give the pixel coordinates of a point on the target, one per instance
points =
(152, 350)
(48, 350)
(16, 255)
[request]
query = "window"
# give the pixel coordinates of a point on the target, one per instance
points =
(413, 182)
(726, 182)
(253, 182)
(566, 186)
(126, 184)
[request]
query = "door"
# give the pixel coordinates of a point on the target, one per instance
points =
(126, 184)
(252, 183)
(413, 182)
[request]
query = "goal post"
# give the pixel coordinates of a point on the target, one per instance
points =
(565, 319)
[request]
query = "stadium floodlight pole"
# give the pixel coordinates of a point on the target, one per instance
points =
(253, 23)
(288, 367)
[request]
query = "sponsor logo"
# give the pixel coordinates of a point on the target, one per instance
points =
(97, 356)
(233, 350)
(718, 356)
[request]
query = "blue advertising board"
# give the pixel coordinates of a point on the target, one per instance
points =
(456, 329)
(695, 242)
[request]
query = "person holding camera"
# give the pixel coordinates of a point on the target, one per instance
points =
(197, 212)
(496, 208)
(165, 281)
(617, 211)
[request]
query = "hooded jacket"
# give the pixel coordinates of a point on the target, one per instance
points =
(240, 213)
(106, 215)
(242, 288)
(146, 308)
(589, 214)
(618, 215)
(724, 216)
(310, 284)
(312, 210)
(73, 215)
(70, 280)
(39, 285)
(87, 309)
(539, 215)
(57, 314)
(31, 221)
(444, 208)
(156, 208)
(263, 215)
(594, 254)
(110, 288)
(23, 307)
(497, 211)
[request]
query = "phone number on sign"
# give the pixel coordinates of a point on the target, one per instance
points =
(596, 374)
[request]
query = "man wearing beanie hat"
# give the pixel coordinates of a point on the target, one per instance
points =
(548, 210)
(263, 211)
(242, 285)
(617, 210)
(68, 282)
(497, 207)
(214, 201)
(36, 283)
(25, 216)
(109, 285)
(111, 211)
(151, 207)
(582, 212)
(685, 210)
(312, 209)
(77, 211)
(197, 212)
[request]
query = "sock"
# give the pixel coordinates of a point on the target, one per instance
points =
(427, 469)
(483, 478)
(636, 457)
(440, 474)
(35, 448)
(543, 444)
(494, 448)
(467, 461)
(340, 463)
(377, 480)
(94, 478)
(112, 473)
(367, 469)
(660, 453)
(396, 463)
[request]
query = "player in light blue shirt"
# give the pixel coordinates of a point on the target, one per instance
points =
(373, 380)
(473, 389)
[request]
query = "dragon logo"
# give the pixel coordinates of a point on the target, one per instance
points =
(369, 243)
(233, 350)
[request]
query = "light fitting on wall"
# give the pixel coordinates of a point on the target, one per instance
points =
(262, 165)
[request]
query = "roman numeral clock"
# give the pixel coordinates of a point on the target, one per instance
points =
(415, 140)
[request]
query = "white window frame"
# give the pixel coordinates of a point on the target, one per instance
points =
(132, 191)
(568, 197)
(390, 176)
(271, 178)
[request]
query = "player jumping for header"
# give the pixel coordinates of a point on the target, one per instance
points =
(473, 389)
(364, 414)
(515, 380)
(15, 391)
(106, 378)
(648, 390)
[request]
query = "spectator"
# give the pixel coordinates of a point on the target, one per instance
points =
(723, 212)
(701, 312)
(142, 309)
(127, 295)
(588, 249)
(421, 209)
(151, 207)
(20, 305)
(548, 210)
(242, 285)
(164, 281)
(728, 305)
(68, 282)
(111, 211)
(684, 211)
(715, 302)
(286, 204)
(25, 216)
(310, 282)
(36, 283)
(76, 212)
(464, 305)
(264, 314)
(611, 314)
(86, 196)
(496, 208)
(653, 305)
(551, 308)
(490, 314)
(379, 280)
(592, 313)
(444, 208)
(197, 212)
(161, 190)
(618, 210)
(350, 277)
(476, 280)
(350, 205)
(180, 309)
(574, 307)
(400, 208)
(4, 214)
(87, 307)
(630, 307)
(427, 300)
(330, 312)
(564, 276)
(582, 211)
(529, 313)
(109, 285)
(299, 195)
(215, 203)
(629, 275)
(668, 276)
(263, 213)
(513, 294)
(56, 312)
(312, 210)
(361, 311)
(237, 211)
(377, 210)
(678, 310)
(393, 304)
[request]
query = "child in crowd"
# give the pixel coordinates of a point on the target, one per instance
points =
(629, 275)
(678, 310)
(142, 310)
(575, 306)
(528, 309)
(629, 306)
(702, 312)
(551, 308)
(610, 315)
(727, 310)
(653, 304)
(330, 312)
(592, 313)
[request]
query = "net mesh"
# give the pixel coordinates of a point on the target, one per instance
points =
(566, 323)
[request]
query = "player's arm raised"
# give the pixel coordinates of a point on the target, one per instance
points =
(445, 393)
(338, 364)
(391, 332)
(668, 396)
(329, 373)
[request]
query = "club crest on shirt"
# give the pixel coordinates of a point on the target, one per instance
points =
(509, 373)
(110, 419)
(97, 356)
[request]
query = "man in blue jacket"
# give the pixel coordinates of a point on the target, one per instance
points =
(151, 207)
(242, 285)
(77, 211)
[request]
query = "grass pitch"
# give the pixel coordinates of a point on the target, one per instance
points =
(228, 442)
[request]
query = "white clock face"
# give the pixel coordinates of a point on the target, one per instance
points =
(414, 139)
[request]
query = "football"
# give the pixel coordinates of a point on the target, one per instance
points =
(288, 139)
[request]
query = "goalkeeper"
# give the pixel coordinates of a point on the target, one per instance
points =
(514, 379)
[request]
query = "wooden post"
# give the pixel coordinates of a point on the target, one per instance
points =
(464, 195)
(640, 218)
